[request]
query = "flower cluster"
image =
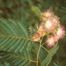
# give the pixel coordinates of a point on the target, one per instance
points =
(52, 39)
(49, 24)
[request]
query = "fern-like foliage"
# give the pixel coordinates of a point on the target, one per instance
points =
(17, 49)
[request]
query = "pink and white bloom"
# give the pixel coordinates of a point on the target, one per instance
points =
(50, 41)
(50, 20)
(48, 13)
(51, 24)
(60, 32)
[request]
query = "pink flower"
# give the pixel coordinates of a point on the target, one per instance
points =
(51, 24)
(50, 20)
(60, 32)
(40, 33)
(48, 13)
(50, 41)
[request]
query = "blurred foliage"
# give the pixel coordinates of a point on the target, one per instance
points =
(17, 23)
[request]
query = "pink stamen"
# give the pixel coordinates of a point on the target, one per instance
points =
(60, 32)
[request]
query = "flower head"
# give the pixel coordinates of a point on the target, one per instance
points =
(40, 33)
(50, 20)
(51, 24)
(45, 15)
(48, 13)
(50, 41)
(60, 32)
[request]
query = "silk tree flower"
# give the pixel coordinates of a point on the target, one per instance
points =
(46, 15)
(51, 24)
(50, 20)
(40, 33)
(50, 42)
(53, 39)
(60, 33)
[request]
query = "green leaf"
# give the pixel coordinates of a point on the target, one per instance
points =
(51, 53)
(36, 10)
(56, 64)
